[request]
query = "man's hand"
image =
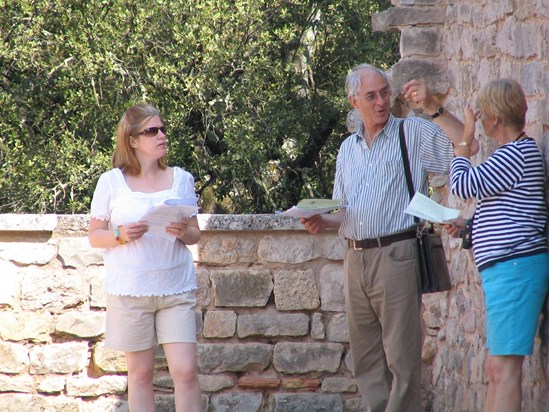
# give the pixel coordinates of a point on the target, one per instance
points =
(416, 92)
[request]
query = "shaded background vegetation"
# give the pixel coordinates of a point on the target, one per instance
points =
(251, 92)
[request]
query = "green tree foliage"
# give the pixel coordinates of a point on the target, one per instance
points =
(251, 91)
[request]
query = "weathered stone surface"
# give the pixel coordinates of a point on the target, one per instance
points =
(258, 382)
(243, 223)
(434, 73)
(339, 384)
(332, 296)
(333, 247)
(337, 329)
(420, 41)
(217, 358)
(83, 325)
(295, 290)
(98, 296)
(307, 384)
(215, 383)
(108, 360)
(54, 289)
(103, 404)
(28, 223)
(25, 326)
(273, 324)
(9, 292)
(230, 402)
(317, 327)
(19, 383)
(51, 384)
(219, 324)
(355, 405)
(224, 249)
(77, 253)
(104, 385)
(289, 249)
(203, 296)
(14, 358)
(241, 287)
(297, 357)
(395, 17)
(25, 254)
(70, 357)
(287, 402)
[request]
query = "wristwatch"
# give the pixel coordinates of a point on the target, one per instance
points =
(439, 112)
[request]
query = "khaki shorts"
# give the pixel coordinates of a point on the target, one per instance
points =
(140, 323)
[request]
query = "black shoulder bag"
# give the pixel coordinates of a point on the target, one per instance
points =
(431, 258)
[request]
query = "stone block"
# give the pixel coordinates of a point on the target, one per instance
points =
(355, 405)
(433, 72)
(14, 358)
(98, 296)
(76, 252)
(317, 327)
(89, 387)
(295, 290)
(23, 326)
(28, 253)
(108, 360)
(395, 17)
(229, 357)
(332, 296)
(245, 288)
(534, 79)
(54, 289)
(17, 383)
(420, 41)
(337, 328)
(289, 249)
(81, 324)
(18, 402)
(300, 358)
(215, 383)
(287, 402)
(70, 357)
(230, 402)
(9, 292)
(333, 247)
(226, 249)
(103, 404)
(339, 384)
(272, 324)
(51, 384)
(203, 297)
(306, 384)
(258, 382)
(219, 324)
(515, 39)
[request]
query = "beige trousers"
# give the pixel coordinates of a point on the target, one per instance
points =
(383, 299)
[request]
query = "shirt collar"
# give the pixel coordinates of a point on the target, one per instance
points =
(390, 128)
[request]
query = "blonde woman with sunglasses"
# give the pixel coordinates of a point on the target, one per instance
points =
(149, 279)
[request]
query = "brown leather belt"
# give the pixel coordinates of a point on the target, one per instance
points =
(381, 241)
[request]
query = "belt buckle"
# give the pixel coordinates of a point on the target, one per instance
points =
(354, 246)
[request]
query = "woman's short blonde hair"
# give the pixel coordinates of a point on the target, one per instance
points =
(129, 126)
(505, 100)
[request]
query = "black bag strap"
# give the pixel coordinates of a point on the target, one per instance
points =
(406, 161)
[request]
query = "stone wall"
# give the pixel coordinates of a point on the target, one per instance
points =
(272, 326)
(457, 46)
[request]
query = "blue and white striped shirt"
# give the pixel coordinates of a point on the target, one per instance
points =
(371, 180)
(510, 217)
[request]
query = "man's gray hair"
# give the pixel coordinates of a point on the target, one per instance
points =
(352, 82)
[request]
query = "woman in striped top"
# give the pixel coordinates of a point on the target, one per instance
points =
(508, 234)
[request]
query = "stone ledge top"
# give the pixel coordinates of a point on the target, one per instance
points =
(208, 222)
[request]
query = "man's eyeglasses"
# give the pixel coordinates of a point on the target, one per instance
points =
(152, 131)
(370, 97)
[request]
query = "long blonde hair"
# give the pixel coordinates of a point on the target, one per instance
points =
(129, 125)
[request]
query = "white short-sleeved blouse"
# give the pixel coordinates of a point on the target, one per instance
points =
(151, 265)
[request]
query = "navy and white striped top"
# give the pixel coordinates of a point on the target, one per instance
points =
(371, 180)
(510, 217)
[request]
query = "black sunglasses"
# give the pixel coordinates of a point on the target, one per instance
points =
(152, 131)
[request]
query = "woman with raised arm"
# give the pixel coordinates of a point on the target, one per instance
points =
(508, 237)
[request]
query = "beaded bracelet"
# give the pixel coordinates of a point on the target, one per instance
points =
(117, 235)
